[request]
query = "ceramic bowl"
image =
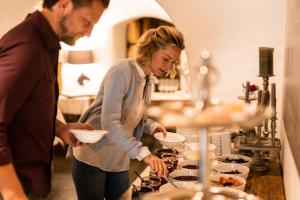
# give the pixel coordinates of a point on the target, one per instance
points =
(88, 136)
(231, 168)
(168, 187)
(171, 139)
(235, 158)
(184, 175)
(188, 164)
(226, 180)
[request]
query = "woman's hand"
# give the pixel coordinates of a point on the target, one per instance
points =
(161, 129)
(64, 133)
(157, 165)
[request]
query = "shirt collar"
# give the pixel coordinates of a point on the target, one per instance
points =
(140, 70)
(48, 35)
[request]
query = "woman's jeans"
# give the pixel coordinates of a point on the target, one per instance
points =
(92, 183)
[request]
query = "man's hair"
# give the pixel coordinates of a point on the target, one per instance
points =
(155, 39)
(76, 3)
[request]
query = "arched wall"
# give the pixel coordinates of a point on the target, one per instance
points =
(13, 12)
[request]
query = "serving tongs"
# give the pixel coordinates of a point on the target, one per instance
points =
(170, 180)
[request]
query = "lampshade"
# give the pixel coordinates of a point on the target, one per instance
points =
(80, 57)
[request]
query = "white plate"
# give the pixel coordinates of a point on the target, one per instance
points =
(171, 139)
(88, 136)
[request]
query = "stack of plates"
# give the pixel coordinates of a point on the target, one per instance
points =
(222, 142)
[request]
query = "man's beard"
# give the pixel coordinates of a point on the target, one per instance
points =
(68, 39)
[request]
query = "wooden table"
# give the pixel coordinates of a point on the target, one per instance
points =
(267, 185)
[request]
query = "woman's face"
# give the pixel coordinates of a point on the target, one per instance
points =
(163, 60)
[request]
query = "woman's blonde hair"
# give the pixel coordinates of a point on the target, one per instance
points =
(155, 39)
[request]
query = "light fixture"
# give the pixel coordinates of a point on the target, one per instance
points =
(80, 57)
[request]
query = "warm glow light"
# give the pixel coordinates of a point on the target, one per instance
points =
(71, 73)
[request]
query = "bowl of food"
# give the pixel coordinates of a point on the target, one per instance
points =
(160, 152)
(139, 191)
(231, 168)
(171, 139)
(88, 136)
(168, 187)
(188, 164)
(231, 193)
(226, 180)
(235, 158)
(152, 182)
(184, 175)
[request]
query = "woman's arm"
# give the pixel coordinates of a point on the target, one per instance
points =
(115, 87)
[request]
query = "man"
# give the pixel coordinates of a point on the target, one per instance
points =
(29, 93)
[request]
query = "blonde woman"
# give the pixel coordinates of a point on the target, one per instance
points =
(101, 170)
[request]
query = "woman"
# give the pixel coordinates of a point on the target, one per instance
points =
(101, 170)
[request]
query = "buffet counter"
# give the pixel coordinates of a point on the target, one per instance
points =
(266, 185)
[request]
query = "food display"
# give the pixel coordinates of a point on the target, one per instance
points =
(186, 178)
(140, 191)
(232, 172)
(183, 168)
(229, 182)
(233, 160)
(151, 182)
(231, 168)
(159, 152)
(190, 166)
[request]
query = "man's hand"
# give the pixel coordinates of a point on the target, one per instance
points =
(157, 165)
(10, 186)
(64, 133)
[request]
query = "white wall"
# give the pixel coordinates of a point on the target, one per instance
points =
(232, 31)
(108, 40)
(292, 47)
(13, 12)
(291, 176)
(109, 33)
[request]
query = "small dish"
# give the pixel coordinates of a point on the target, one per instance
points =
(235, 158)
(168, 187)
(188, 164)
(231, 168)
(184, 175)
(88, 136)
(160, 152)
(226, 180)
(171, 139)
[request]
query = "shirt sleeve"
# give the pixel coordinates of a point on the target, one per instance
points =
(150, 126)
(17, 80)
(115, 89)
